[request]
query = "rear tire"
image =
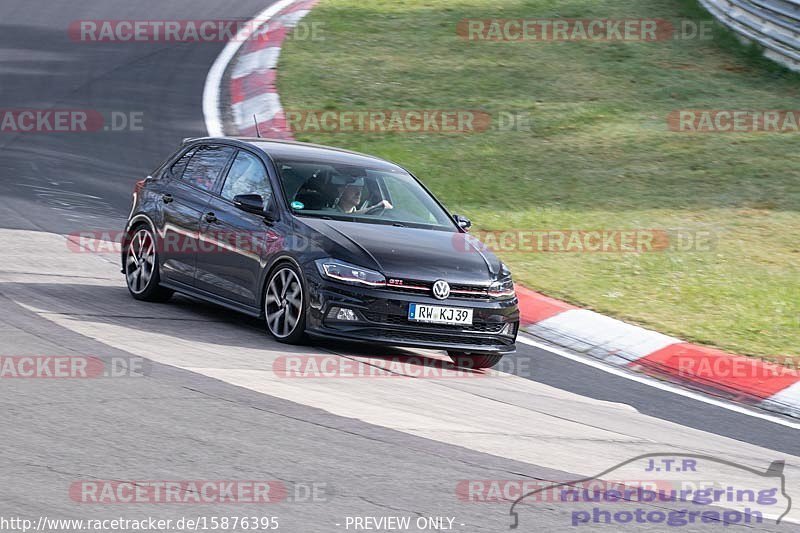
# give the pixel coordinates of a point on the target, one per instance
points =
(141, 267)
(475, 361)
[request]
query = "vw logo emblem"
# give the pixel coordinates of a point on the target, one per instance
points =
(441, 289)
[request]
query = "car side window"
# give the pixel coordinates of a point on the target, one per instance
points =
(179, 166)
(205, 166)
(247, 176)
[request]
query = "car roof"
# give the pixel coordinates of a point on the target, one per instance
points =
(294, 150)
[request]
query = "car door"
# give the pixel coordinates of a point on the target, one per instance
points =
(194, 177)
(235, 242)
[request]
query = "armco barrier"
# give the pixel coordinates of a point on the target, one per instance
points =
(773, 24)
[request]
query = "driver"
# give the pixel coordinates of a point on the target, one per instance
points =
(350, 199)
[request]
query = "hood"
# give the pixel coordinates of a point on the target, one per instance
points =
(409, 253)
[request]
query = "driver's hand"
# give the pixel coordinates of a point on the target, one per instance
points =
(383, 204)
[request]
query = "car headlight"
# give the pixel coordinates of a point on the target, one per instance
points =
(504, 287)
(347, 273)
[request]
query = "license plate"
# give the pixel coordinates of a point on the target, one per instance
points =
(435, 314)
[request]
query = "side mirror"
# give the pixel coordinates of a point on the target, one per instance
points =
(252, 203)
(463, 222)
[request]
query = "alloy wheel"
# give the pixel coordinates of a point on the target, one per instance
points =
(140, 261)
(284, 302)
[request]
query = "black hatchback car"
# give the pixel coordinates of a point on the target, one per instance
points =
(319, 242)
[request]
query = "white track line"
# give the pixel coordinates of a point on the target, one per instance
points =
(657, 384)
(211, 91)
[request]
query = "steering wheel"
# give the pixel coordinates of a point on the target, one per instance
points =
(377, 209)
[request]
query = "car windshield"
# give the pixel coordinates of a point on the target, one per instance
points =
(360, 194)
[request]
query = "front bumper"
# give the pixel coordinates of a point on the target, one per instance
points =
(383, 312)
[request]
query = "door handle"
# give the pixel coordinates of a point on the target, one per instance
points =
(166, 198)
(211, 218)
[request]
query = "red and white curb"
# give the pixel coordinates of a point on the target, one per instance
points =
(250, 64)
(251, 67)
(767, 385)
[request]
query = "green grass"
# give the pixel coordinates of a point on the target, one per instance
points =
(598, 154)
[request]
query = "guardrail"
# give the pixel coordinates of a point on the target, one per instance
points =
(773, 24)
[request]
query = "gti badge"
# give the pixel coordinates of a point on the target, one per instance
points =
(441, 289)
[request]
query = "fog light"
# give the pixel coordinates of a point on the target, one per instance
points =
(346, 315)
(509, 330)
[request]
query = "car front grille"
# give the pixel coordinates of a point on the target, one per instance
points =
(458, 291)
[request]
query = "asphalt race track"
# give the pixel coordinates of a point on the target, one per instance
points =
(210, 404)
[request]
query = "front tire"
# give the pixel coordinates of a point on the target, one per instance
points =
(284, 305)
(474, 361)
(141, 267)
